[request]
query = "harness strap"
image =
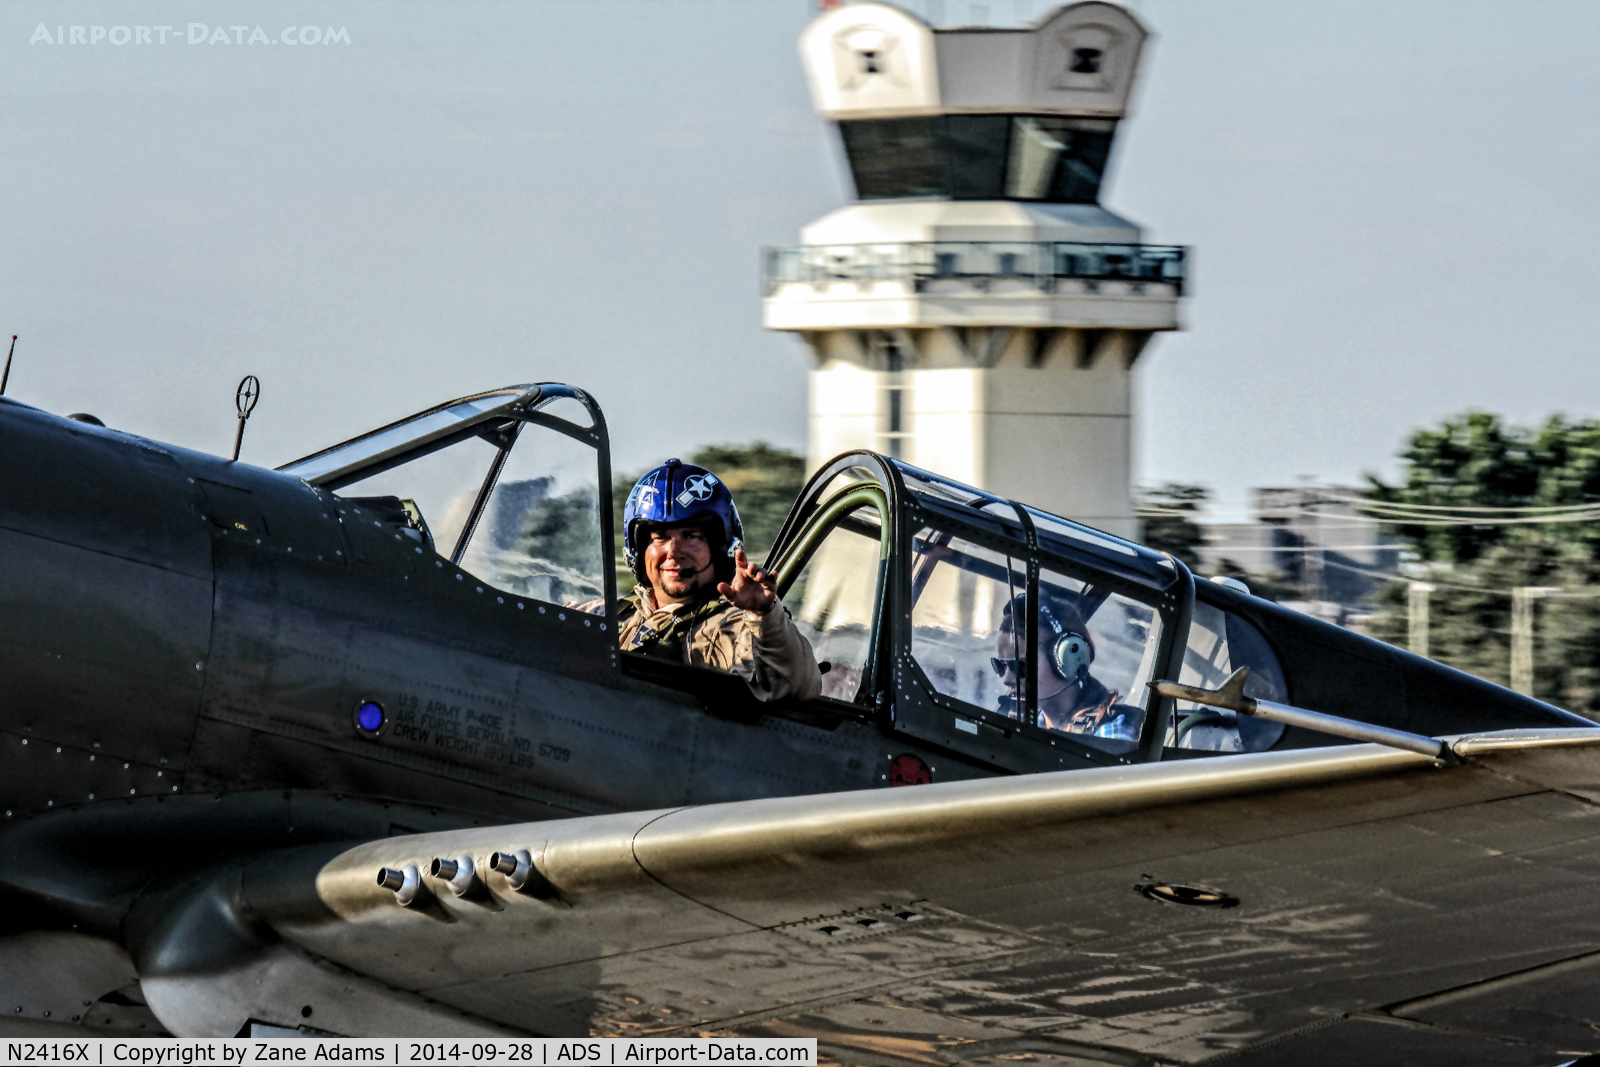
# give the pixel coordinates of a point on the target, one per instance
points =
(667, 642)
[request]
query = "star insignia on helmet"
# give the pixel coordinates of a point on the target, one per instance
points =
(696, 487)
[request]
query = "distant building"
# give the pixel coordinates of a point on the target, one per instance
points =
(976, 311)
(1310, 537)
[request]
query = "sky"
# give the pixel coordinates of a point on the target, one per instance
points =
(1392, 211)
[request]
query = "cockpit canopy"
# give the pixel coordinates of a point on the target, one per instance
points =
(512, 485)
(1004, 617)
(1019, 638)
(954, 612)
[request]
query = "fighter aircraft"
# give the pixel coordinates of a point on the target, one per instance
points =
(329, 749)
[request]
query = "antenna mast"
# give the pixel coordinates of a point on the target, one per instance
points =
(5, 375)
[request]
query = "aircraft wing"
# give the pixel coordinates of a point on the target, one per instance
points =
(1356, 897)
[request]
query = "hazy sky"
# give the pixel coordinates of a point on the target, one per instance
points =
(1393, 208)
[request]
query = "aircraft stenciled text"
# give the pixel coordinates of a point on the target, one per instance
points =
(467, 731)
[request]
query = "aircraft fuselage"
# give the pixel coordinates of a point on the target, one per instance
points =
(175, 627)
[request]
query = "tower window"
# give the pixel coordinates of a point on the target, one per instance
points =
(1053, 158)
(1086, 61)
(869, 63)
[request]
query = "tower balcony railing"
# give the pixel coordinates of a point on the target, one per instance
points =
(979, 263)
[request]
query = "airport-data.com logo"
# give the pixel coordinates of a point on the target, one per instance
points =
(193, 33)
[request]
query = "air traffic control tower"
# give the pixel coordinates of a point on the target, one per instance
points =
(976, 311)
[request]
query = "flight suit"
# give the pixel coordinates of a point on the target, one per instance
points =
(1093, 707)
(766, 650)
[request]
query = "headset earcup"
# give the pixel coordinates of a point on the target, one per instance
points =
(1070, 655)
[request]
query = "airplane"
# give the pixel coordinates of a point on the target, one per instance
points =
(328, 749)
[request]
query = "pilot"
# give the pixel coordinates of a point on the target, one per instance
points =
(700, 600)
(1071, 700)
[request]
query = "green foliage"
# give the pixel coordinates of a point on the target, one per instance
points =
(1470, 618)
(1168, 512)
(563, 529)
(1476, 461)
(621, 486)
(764, 482)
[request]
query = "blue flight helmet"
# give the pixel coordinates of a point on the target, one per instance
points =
(681, 494)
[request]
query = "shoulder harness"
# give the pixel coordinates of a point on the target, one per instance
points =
(667, 642)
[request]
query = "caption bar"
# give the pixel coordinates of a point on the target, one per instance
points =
(233, 1052)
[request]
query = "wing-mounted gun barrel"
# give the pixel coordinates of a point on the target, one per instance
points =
(516, 866)
(403, 883)
(522, 875)
(460, 873)
(1229, 696)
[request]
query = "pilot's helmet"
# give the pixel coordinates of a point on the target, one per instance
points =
(681, 494)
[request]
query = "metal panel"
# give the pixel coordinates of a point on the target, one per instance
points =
(55, 974)
(98, 651)
(101, 489)
(1004, 906)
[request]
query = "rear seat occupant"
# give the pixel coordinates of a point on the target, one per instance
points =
(699, 600)
(1071, 699)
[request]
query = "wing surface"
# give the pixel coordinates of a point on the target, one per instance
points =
(1354, 887)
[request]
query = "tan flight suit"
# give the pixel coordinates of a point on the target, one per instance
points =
(767, 651)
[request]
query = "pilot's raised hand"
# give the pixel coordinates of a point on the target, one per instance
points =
(752, 588)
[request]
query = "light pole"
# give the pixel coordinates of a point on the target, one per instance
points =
(1522, 599)
(1417, 617)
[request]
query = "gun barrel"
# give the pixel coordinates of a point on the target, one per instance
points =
(1336, 725)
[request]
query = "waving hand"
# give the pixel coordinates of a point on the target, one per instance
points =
(752, 588)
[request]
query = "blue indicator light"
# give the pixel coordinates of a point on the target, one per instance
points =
(370, 717)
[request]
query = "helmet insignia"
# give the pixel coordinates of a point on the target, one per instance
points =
(696, 487)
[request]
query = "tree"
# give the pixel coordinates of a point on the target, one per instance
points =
(1475, 461)
(1169, 513)
(764, 481)
(1470, 610)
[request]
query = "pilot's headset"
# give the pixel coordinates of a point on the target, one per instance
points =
(1063, 643)
(1068, 652)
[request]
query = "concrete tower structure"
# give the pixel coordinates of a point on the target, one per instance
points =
(976, 311)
